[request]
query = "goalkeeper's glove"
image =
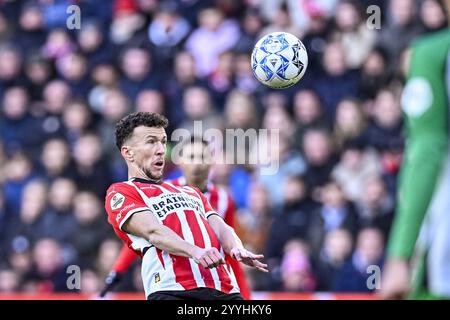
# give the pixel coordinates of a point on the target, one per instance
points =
(112, 279)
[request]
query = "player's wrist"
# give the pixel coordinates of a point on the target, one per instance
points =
(193, 251)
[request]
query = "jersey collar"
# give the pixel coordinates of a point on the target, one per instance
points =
(142, 180)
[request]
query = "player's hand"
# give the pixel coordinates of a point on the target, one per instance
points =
(112, 279)
(249, 258)
(208, 258)
(395, 283)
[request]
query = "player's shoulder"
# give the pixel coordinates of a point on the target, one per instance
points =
(118, 186)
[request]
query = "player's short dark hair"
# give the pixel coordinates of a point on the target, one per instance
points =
(126, 125)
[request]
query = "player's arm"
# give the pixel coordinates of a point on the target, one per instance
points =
(233, 245)
(145, 225)
(426, 108)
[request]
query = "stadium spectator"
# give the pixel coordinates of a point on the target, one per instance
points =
(16, 121)
(281, 20)
(251, 25)
(31, 33)
(48, 273)
(167, 32)
(384, 130)
(38, 71)
(138, 72)
(352, 32)
(296, 269)
(9, 281)
(288, 162)
(127, 25)
(87, 212)
(355, 167)
(337, 81)
(91, 283)
(318, 152)
(292, 220)
(220, 81)
(94, 45)
(19, 172)
(214, 36)
(198, 106)
(108, 251)
(353, 275)
(60, 222)
(335, 212)
(308, 112)
(11, 63)
(337, 247)
(376, 207)
(55, 159)
(29, 225)
(77, 119)
(253, 223)
(92, 171)
(400, 29)
(150, 101)
(73, 69)
(374, 74)
(432, 15)
(350, 122)
(243, 74)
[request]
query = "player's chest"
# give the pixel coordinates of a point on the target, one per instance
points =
(165, 204)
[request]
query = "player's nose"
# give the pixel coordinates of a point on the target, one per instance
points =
(161, 148)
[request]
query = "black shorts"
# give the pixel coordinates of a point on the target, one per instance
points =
(194, 294)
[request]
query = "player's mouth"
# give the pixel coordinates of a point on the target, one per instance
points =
(159, 164)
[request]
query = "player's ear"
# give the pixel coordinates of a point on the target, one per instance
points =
(127, 153)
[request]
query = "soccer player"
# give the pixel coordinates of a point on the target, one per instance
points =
(418, 264)
(195, 165)
(181, 239)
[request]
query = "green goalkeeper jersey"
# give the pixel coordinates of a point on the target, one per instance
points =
(422, 222)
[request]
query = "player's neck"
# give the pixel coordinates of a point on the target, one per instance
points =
(137, 173)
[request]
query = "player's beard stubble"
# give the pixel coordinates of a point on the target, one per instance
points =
(155, 176)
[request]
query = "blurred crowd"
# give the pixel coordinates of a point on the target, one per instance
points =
(321, 220)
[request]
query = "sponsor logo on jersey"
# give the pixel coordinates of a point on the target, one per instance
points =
(117, 201)
(169, 203)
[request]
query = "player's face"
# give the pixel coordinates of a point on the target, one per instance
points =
(196, 162)
(148, 145)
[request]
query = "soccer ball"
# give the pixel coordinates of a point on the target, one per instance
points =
(279, 60)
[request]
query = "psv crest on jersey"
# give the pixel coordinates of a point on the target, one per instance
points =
(117, 201)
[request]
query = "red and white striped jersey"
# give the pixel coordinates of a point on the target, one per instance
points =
(219, 198)
(183, 209)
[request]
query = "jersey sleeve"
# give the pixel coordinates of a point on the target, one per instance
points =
(425, 105)
(121, 202)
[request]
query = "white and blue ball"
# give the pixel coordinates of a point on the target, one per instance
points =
(279, 60)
